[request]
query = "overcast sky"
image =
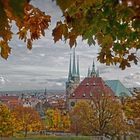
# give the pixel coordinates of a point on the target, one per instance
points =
(46, 65)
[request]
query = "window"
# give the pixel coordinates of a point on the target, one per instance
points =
(84, 94)
(90, 94)
(94, 84)
(87, 84)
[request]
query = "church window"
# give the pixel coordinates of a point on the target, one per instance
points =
(87, 84)
(90, 94)
(84, 94)
(94, 84)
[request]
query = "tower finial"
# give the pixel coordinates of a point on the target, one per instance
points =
(88, 75)
(74, 65)
(69, 76)
(93, 72)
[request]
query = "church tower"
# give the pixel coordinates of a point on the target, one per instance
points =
(93, 72)
(73, 77)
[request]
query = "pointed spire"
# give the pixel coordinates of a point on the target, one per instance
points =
(93, 65)
(93, 72)
(69, 76)
(88, 75)
(78, 73)
(45, 92)
(74, 65)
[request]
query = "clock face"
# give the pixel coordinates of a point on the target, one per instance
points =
(72, 104)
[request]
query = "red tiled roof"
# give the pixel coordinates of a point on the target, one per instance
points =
(10, 101)
(7, 98)
(89, 87)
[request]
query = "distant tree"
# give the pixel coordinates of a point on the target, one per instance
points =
(103, 116)
(113, 24)
(49, 119)
(57, 120)
(6, 125)
(27, 119)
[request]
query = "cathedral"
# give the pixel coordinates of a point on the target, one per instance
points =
(93, 84)
(75, 88)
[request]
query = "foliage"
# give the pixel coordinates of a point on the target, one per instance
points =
(57, 120)
(51, 138)
(109, 118)
(81, 117)
(113, 24)
(30, 21)
(104, 116)
(27, 119)
(132, 111)
(6, 127)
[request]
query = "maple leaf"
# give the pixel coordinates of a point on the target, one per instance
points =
(72, 39)
(124, 63)
(5, 49)
(17, 8)
(5, 29)
(132, 57)
(59, 31)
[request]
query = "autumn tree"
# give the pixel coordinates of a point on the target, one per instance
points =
(102, 116)
(81, 117)
(6, 127)
(27, 119)
(113, 24)
(132, 111)
(57, 120)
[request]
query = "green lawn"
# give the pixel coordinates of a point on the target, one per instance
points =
(49, 138)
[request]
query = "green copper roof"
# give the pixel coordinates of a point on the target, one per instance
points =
(119, 89)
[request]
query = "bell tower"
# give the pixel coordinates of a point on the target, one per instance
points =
(73, 77)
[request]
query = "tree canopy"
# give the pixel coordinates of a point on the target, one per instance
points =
(103, 116)
(113, 24)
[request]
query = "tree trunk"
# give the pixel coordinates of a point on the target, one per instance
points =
(25, 135)
(1, 136)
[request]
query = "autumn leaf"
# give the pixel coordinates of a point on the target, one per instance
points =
(18, 8)
(5, 49)
(60, 31)
(124, 63)
(72, 39)
(29, 44)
